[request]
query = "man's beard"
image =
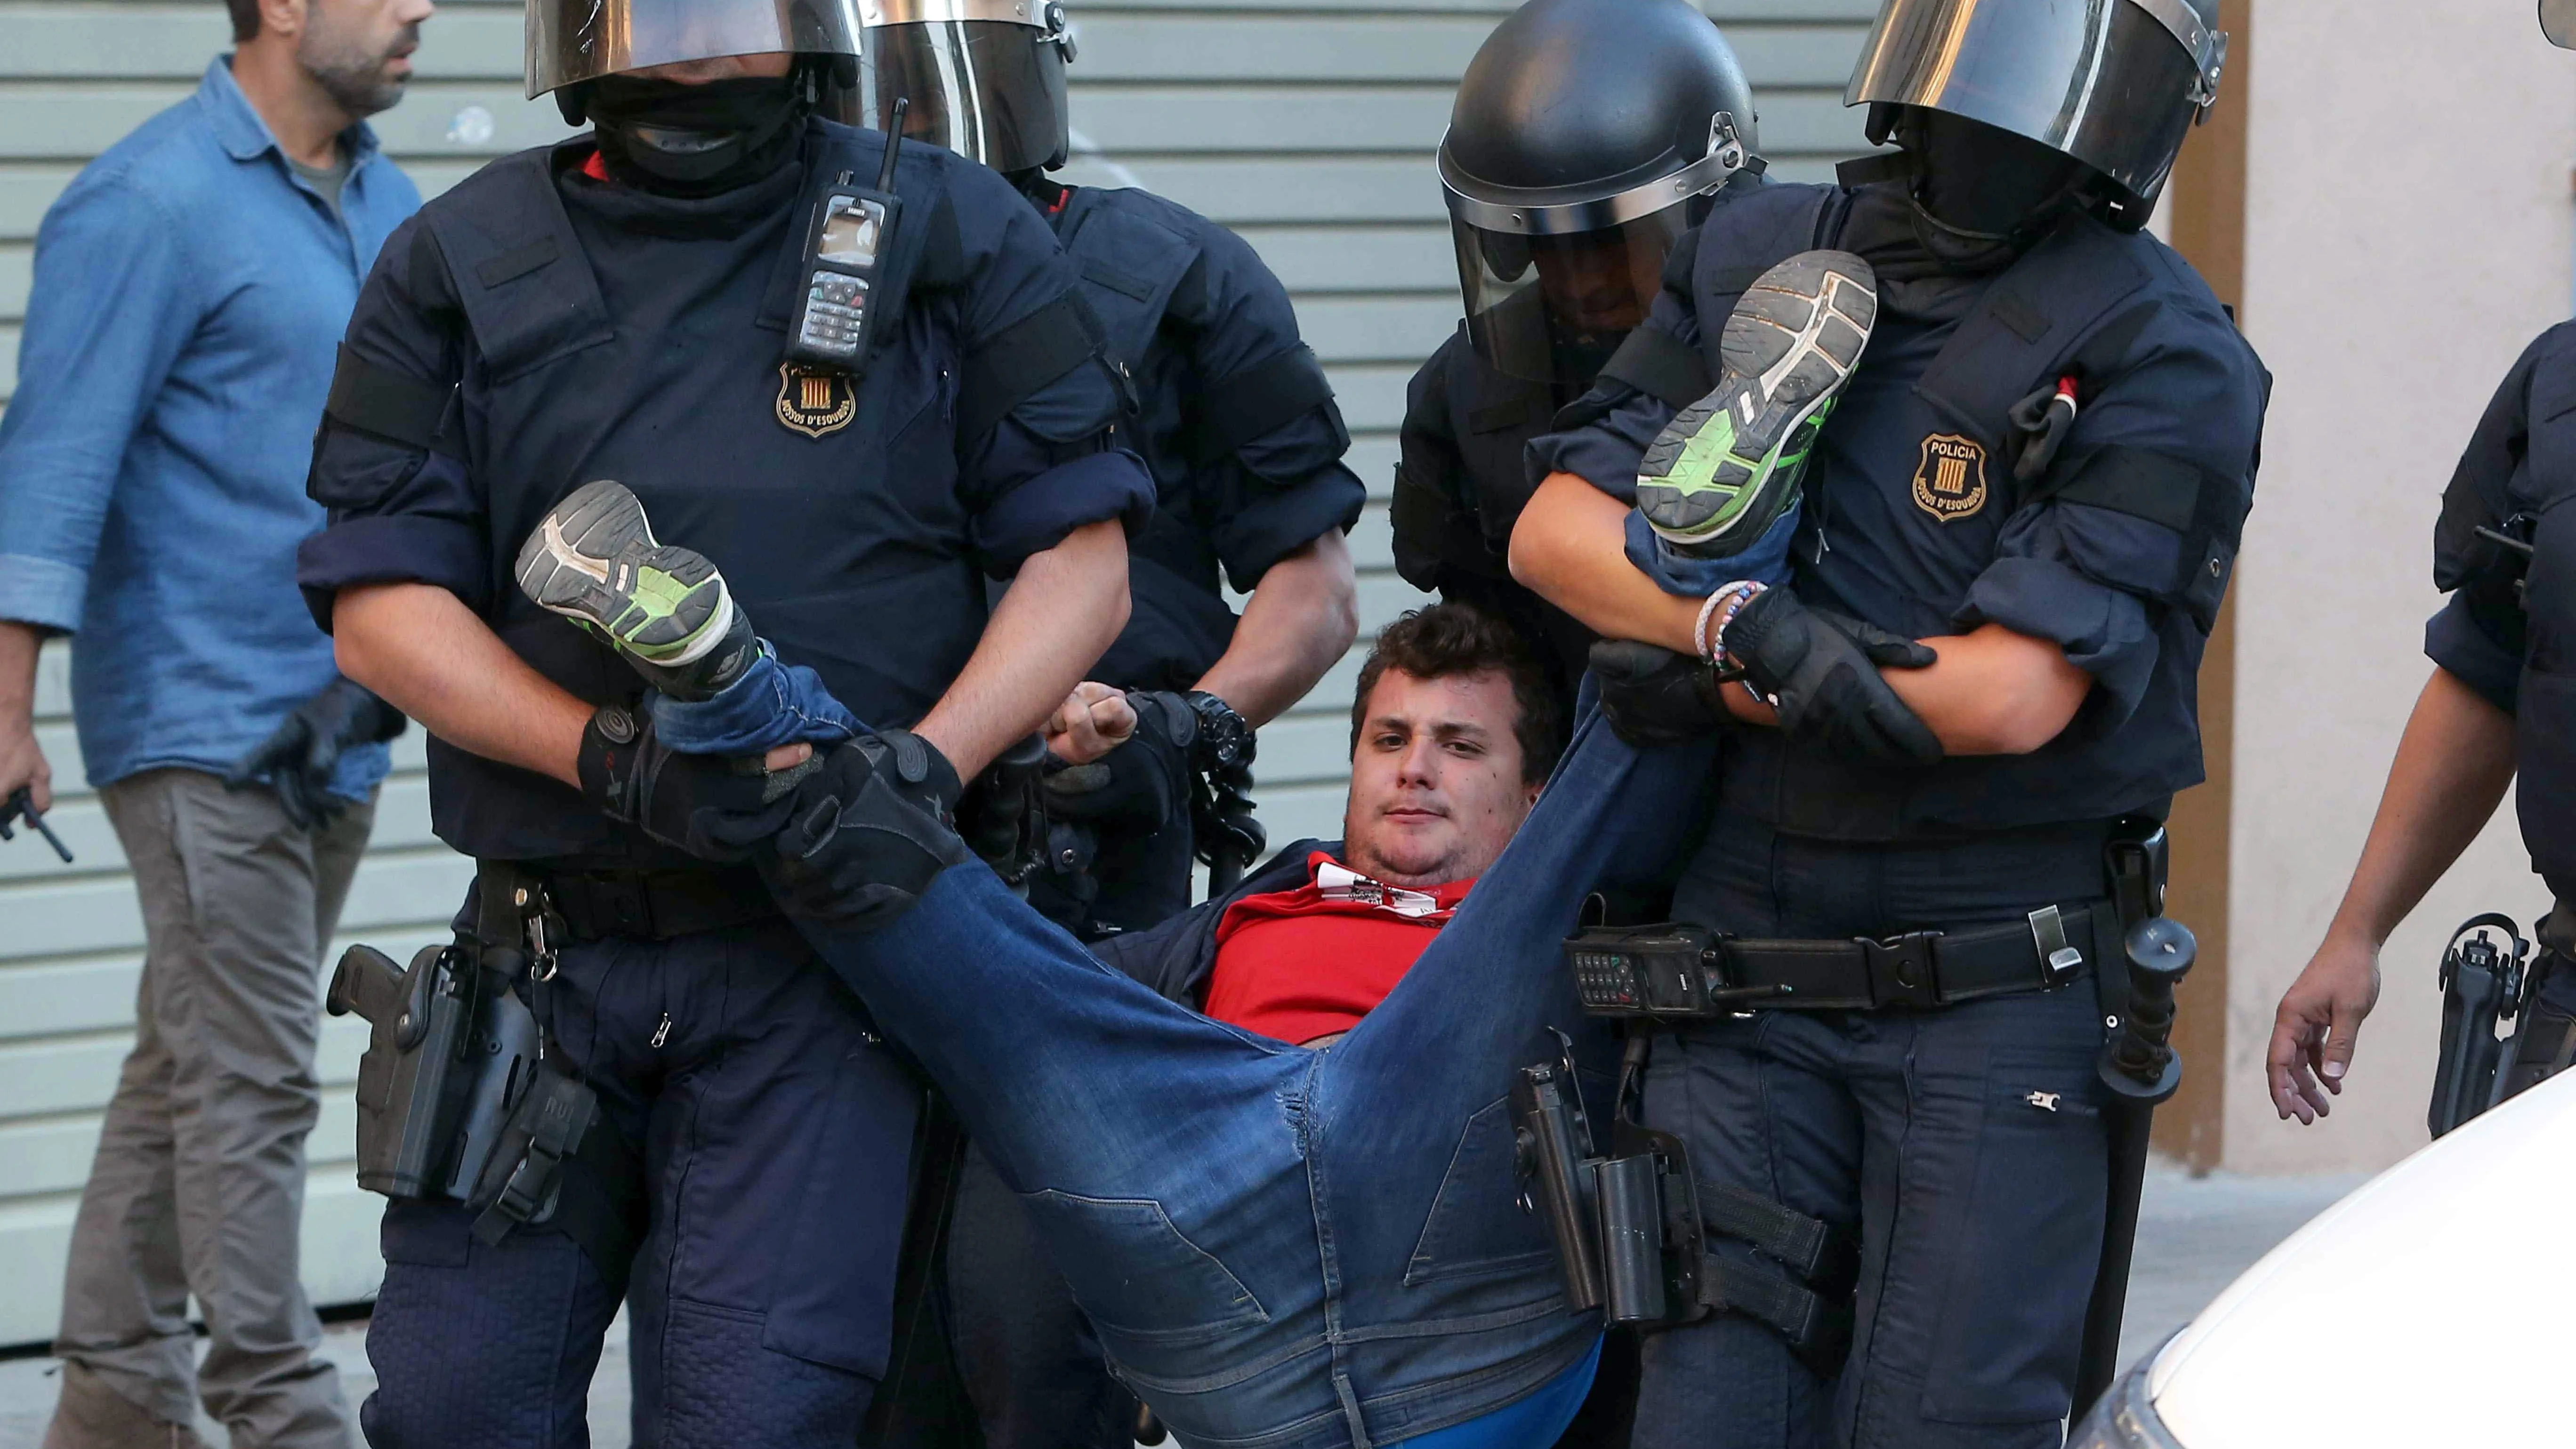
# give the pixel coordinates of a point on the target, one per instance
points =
(348, 73)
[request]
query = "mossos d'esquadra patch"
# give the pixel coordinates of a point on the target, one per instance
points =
(814, 402)
(1950, 484)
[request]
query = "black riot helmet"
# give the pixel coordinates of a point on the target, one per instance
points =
(688, 139)
(985, 78)
(1585, 139)
(2558, 22)
(2114, 85)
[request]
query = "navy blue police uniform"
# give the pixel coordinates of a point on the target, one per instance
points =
(1956, 1132)
(1460, 485)
(1239, 428)
(2505, 552)
(1237, 424)
(538, 327)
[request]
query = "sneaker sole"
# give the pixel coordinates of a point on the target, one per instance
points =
(1788, 348)
(595, 561)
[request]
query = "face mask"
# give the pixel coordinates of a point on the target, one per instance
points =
(697, 140)
(1979, 191)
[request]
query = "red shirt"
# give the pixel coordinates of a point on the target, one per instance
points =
(1296, 965)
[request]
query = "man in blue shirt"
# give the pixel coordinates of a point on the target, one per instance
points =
(190, 285)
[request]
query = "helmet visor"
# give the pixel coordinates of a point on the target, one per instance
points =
(2107, 82)
(579, 40)
(991, 91)
(1553, 308)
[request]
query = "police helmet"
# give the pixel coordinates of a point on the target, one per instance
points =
(2558, 22)
(984, 78)
(571, 41)
(1585, 139)
(2114, 84)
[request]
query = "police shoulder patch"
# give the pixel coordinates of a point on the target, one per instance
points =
(814, 402)
(1950, 483)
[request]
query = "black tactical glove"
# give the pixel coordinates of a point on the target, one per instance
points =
(1822, 668)
(864, 834)
(1654, 696)
(708, 806)
(299, 757)
(1144, 782)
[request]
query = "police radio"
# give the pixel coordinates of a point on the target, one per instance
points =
(852, 233)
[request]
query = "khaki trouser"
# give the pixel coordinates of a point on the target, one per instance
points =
(198, 1186)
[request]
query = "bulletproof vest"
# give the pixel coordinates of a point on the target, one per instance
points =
(832, 506)
(1453, 534)
(1130, 265)
(2072, 305)
(2545, 708)
(1143, 272)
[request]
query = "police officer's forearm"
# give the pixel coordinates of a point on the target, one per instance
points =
(1570, 546)
(1994, 691)
(429, 656)
(2452, 767)
(1053, 624)
(1299, 622)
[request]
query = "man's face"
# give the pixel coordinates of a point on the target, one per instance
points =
(359, 51)
(1436, 789)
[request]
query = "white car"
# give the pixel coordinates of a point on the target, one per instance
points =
(2427, 1308)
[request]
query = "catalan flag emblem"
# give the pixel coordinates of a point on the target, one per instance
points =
(814, 402)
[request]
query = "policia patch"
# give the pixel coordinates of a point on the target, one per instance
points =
(813, 401)
(1950, 483)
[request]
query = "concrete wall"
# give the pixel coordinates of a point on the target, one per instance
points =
(2408, 230)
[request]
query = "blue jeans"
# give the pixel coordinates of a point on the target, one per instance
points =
(772, 704)
(1679, 571)
(1284, 1248)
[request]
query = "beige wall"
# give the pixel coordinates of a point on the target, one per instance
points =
(2408, 231)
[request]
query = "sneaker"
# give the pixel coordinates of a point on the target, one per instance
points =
(595, 561)
(1729, 465)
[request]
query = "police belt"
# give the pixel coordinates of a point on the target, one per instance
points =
(1921, 969)
(656, 905)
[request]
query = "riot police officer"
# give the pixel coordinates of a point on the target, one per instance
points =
(863, 389)
(1239, 428)
(2493, 714)
(1586, 137)
(1235, 421)
(2039, 468)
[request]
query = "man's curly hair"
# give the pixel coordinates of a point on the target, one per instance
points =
(1452, 639)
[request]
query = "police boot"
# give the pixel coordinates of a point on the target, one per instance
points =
(595, 561)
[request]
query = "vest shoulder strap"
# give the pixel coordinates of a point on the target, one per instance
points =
(1749, 235)
(517, 269)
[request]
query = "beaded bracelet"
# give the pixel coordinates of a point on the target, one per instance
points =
(1729, 601)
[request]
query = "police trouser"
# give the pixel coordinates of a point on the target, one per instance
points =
(1964, 1145)
(776, 1135)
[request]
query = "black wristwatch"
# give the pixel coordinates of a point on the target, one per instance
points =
(1225, 738)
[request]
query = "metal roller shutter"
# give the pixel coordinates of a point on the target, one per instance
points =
(1308, 127)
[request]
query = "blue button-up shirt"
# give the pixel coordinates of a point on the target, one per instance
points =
(190, 292)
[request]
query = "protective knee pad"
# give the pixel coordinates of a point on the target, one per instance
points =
(476, 1344)
(713, 1385)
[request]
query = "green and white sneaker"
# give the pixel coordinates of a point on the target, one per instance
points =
(1729, 465)
(595, 561)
